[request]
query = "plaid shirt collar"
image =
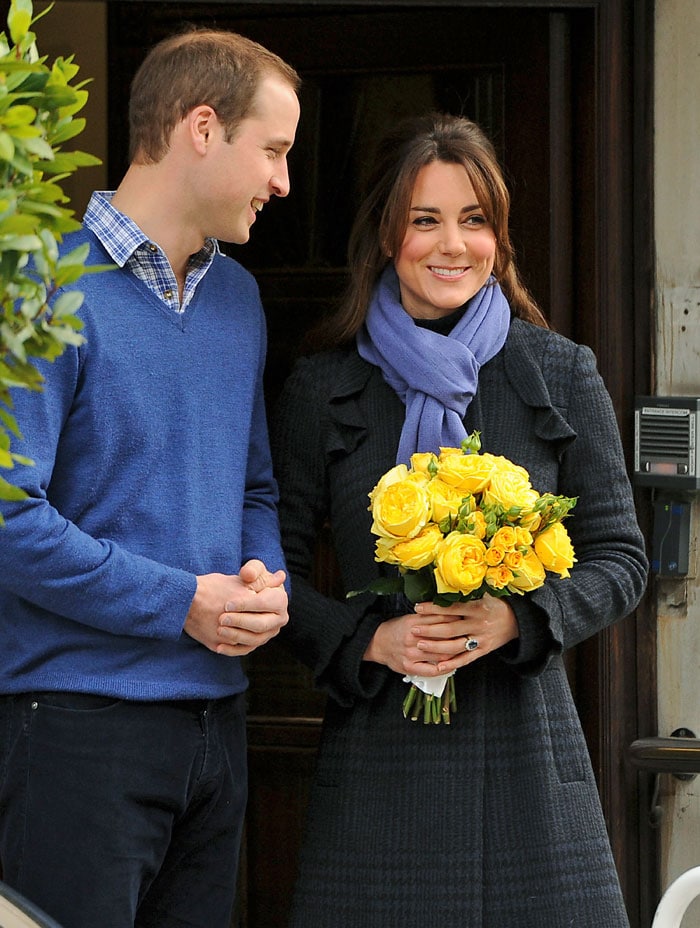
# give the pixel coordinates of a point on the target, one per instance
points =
(129, 246)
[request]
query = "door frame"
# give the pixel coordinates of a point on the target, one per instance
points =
(618, 666)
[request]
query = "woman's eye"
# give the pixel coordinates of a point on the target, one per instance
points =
(424, 221)
(475, 220)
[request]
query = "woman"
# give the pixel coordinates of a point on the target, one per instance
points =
(494, 821)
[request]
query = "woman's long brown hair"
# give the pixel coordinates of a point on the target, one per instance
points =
(380, 224)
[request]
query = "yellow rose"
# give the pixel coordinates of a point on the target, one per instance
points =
(418, 477)
(419, 551)
(400, 505)
(510, 487)
(498, 577)
(459, 564)
(503, 465)
(421, 461)
(400, 472)
(445, 499)
(476, 524)
(494, 555)
(523, 538)
(506, 537)
(383, 550)
(468, 472)
(530, 574)
(530, 522)
(513, 559)
(554, 549)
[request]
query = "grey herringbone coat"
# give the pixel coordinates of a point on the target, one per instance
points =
(494, 821)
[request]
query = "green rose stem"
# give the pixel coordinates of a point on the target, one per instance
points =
(409, 700)
(434, 709)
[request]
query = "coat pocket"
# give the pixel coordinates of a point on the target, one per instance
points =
(568, 745)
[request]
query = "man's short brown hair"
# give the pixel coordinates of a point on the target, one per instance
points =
(200, 66)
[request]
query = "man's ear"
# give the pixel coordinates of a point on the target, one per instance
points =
(201, 122)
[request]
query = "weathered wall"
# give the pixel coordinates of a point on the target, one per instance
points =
(677, 238)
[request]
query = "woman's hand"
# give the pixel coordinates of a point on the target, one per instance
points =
(434, 640)
(454, 636)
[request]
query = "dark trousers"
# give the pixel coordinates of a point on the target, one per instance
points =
(116, 814)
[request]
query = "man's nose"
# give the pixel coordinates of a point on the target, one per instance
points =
(279, 182)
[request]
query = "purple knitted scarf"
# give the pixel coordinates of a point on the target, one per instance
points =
(436, 376)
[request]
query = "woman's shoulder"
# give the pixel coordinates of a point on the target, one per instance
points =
(529, 343)
(544, 367)
(537, 336)
(337, 371)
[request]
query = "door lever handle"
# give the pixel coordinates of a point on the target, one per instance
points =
(679, 754)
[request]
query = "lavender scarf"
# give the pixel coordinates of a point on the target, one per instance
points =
(435, 376)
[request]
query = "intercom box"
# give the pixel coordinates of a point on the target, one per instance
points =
(666, 442)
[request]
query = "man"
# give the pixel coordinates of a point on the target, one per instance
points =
(146, 561)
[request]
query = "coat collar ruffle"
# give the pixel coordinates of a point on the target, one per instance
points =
(521, 357)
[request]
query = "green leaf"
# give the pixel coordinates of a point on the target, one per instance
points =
(19, 19)
(64, 336)
(419, 585)
(77, 256)
(10, 422)
(69, 162)
(67, 303)
(25, 132)
(45, 209)
(39, 148)
(43, 13)
(383, 586)
(65, 68)
(80, 98)
(69, 274)
(18, 224)
(99, 268)
(21, 163)
(83, 159)
(10, 492)
(20, 115)
(46, 192)
(19, 243)
(7, 147)
(68, 131)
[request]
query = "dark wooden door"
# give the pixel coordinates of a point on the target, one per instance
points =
(556, 87)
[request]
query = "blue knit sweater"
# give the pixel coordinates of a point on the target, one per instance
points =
(151, 466)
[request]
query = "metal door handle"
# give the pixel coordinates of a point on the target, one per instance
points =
(678, 754)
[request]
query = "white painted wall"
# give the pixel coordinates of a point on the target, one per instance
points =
(677, 238)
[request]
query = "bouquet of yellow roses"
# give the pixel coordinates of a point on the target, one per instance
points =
(458, 525)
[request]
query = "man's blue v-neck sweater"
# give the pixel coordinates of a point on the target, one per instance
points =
(151, 466)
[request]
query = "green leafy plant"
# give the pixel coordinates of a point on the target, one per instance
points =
(38, 107)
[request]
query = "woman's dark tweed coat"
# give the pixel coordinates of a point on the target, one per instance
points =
(494, 821)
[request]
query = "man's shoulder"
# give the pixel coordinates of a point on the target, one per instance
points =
(96, 253)
(226, 272)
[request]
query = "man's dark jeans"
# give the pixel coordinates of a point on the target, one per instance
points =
(116, 814)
